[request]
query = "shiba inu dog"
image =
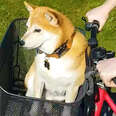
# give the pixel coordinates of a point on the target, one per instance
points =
(59, 64)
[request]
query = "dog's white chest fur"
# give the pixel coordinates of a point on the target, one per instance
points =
(57, 78)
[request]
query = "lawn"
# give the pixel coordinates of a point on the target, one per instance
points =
(74, 9)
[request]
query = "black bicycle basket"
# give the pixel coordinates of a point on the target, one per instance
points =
(14, 63)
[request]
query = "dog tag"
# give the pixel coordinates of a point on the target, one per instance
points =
(46, 64)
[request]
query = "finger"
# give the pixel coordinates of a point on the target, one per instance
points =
(87, 14)
(101, 25)
(110, 84)
(101, 63)
(100, 29)
(89, 17)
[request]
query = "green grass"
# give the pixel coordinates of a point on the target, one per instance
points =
(74, 9)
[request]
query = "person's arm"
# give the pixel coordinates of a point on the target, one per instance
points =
(109, 5)
(107, 71)
(101, 13)
(107, 67)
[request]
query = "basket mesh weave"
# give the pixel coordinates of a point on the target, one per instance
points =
(13, 105)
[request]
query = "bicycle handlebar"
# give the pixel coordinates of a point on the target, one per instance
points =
(93, 27)
(97, 53)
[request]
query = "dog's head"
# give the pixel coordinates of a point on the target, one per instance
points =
(47, 29)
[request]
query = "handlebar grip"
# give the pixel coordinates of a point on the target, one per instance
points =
(114, 80)
(90, 25)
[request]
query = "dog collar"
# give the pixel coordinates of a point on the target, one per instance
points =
(63, 48)
(57, 53)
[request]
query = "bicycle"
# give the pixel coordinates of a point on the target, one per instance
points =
(101, 92)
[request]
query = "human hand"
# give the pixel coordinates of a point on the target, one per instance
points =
(107, 71)
(100, 14)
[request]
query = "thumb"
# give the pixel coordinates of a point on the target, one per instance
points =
(89, 17)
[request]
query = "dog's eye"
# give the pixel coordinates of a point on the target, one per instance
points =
(37, 30)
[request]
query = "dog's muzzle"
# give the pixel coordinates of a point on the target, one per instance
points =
(21, 42)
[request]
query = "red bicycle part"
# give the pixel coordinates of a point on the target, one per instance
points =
(103, 96)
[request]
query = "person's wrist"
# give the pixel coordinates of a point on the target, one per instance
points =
(109, 5)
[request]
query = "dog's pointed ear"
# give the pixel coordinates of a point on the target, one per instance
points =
(52, 18)
(29, 7)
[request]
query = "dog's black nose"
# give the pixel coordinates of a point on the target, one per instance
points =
(21, 42)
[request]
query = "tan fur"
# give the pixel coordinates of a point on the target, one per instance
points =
(77, 53)
(38, 17)
(77, 45)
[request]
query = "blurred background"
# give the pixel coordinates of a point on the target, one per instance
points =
(73, 9)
